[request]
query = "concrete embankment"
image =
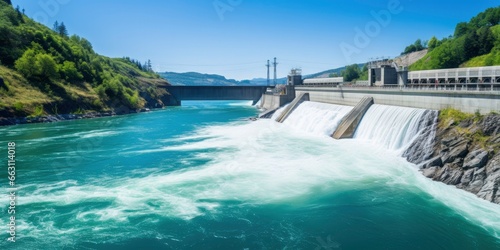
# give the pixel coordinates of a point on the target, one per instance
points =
(293, 105)
(350, 122)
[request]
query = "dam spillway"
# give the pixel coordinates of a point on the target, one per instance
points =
(390, 127)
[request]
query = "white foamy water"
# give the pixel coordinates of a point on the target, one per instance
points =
(250, 164)
(393, 128)
(253, 168)
(317, 118)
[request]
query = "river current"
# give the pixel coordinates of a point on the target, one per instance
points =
(204, 176)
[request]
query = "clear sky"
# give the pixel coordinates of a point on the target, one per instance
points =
(235, 38)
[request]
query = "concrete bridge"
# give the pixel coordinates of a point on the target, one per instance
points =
(191, 93)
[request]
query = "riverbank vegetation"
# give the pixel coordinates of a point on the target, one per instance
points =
(43, 67)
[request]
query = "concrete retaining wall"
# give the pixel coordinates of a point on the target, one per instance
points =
(271, 101)
(466, 101)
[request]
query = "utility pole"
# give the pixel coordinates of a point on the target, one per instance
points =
(275, 64)
(268, 79)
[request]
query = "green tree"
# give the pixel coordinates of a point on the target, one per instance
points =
(351, 73)
(416, 46)
(61, 29)
(486, 40)
(363, 74)
(69, 71)
(9, 45)
(8, 2)
(461, 29)
(433, 43)
(46, 66)
(26, 63)
(56, 26)
(471, 45)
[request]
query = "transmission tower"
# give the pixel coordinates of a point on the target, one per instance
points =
(268, 79)
(275, 78)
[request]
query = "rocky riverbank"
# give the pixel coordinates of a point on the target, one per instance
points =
(465, 153)
(6, 121)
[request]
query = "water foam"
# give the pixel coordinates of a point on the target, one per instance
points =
(259, 170)
(393, 128)
(251, 163)
(317, 118)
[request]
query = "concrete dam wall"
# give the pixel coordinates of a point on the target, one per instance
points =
(466, 101)
(189, 93)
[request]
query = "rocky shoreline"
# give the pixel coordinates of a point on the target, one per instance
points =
(9, 121)
(465, 154)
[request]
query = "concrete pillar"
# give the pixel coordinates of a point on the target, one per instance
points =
(289, 109)
(350, 122)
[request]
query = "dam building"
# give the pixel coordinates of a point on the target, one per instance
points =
(478, 75)
(324, 81)
(467, 89)
(390, 74)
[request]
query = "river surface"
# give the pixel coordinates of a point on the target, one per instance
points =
(203, 176)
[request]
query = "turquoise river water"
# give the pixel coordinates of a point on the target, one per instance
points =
(203, 176)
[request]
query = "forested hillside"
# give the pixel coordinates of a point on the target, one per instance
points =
(474, 43)
(45, 71)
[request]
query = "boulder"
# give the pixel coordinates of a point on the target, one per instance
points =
(451, 175)
(477, 181)
(490, 125)
(490, 188)
(494, 165)
(436, 161)
(467, 178)
(457, 149)
(429, 172)
(476, 159)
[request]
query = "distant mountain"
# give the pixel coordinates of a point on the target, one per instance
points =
(194, 78)
(199, 79)
(327, 73)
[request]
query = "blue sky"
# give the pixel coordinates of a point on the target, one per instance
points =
(235, 38)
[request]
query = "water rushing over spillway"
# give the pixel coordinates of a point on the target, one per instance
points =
(202, 176)
(394, 128)
(317, 118)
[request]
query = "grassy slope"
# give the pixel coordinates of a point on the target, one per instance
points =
(22, 97)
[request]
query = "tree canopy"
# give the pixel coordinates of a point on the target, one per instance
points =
(470, 40)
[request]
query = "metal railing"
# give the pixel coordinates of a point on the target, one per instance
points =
(495, 88)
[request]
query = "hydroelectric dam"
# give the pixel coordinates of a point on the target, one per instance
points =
(403, 118)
